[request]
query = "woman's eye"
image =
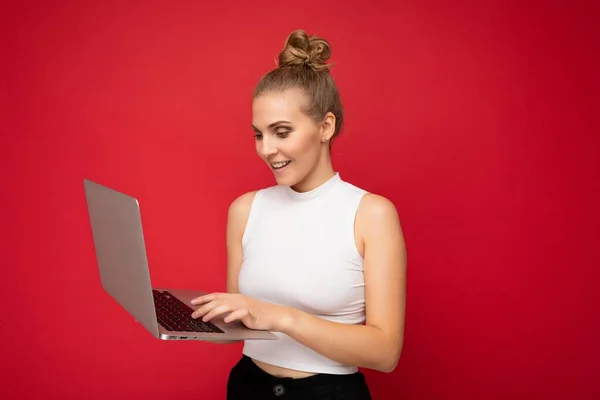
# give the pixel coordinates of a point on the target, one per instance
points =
(283, 133)
(258, 136)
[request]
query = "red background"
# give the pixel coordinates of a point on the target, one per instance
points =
(478, 119)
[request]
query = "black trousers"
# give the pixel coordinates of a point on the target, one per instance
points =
(248, 382)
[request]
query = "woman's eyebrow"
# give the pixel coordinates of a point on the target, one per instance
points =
(274, 124)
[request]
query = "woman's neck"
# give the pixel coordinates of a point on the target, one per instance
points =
(322, 172)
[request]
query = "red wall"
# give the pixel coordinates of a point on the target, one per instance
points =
(479, 121)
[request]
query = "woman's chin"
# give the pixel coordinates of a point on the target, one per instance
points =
(284, 181)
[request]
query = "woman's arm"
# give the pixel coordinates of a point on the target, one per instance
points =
(377, 344)
(237, 218)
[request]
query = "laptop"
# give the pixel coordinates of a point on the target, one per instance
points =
(124, 273)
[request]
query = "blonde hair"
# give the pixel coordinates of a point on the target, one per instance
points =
(303, 64)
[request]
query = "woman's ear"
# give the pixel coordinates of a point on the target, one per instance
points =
(327, 127)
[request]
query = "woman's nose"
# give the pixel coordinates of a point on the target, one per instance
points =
(267, 148)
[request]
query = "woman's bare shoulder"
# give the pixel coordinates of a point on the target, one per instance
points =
(239, 209)
(375, 208)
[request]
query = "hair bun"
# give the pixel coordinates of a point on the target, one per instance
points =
(301, 49)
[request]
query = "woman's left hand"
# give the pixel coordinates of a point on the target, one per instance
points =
(254, 314)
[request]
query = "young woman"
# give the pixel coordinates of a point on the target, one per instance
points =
(315, 259)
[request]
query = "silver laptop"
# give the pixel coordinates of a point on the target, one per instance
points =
(123, 265)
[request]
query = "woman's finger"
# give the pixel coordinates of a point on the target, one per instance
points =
(223, 308)
(205, 298)
(237, 314)
(206, 308)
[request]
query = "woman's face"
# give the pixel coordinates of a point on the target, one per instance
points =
(287, 139)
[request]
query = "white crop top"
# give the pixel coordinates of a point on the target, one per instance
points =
(299, 251)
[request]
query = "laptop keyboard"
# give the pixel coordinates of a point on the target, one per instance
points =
(175, 315)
